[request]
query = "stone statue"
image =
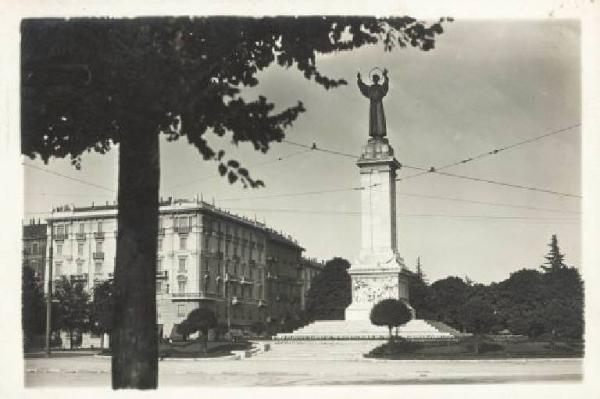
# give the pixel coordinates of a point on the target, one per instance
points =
(375, 93)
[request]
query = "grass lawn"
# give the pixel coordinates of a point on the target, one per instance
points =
(487, 350)
(195, 349)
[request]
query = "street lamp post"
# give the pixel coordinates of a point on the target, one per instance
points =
(227, 289)
(49, 293)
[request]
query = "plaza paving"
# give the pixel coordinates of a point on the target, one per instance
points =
(272, 371)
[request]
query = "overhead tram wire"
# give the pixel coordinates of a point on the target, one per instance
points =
(314, 147)
(492, 152)
(214, 176)
(352, 213)
(68, 177)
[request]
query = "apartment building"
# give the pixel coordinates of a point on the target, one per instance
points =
(34, 247)
(207, 257)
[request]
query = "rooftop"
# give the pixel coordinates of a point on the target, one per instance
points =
(170, 205)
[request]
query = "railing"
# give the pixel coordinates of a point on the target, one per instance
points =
(98, 234)
(80, 236)
(182, 229)
(194, 295)
(162, 274)
(60, 237)
(246, 280)
(79, 277)
(98, 255)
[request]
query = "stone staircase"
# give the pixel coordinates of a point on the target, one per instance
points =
(416, 329)
(348, 339)
(316, 349)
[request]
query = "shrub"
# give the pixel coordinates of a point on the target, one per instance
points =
(397, 347)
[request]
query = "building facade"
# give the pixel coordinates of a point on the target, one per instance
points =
(207, 257)
(34, 247)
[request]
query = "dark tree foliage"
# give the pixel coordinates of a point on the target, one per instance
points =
(331, 292)
(102, 308)
(33, 311)
(529, 302)
(446, 297)
(199, 320)
(477, 315)
(88, 84)
(390, 313)
(72, 311)
(419, 293)
(554, 259)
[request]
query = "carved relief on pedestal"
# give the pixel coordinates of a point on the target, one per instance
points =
(373, 289)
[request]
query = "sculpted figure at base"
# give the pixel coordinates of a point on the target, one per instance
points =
(375, 94)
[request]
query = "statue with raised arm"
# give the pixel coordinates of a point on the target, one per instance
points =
(375, 94)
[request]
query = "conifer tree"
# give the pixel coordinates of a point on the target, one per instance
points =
(554, 258)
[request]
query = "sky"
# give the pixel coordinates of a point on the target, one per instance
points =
(488, 84)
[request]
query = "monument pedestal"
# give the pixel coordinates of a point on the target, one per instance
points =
(378, 272)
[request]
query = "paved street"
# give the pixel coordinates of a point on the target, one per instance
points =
(94, 371)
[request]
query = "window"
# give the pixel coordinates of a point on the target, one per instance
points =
(159, 264)
(98, 267)
(59, 249)
(79, 268)
(182, 242)
(80, 249)
(181, 311)
(182, 264)
(81, 228)
(58, 269)
(159, 245)
(34, 248)
(181, 285)
(99, 227)
(98, 246)
(159, 287)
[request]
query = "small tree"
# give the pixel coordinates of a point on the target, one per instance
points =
(33, 311)
(390, 313)
(73, 307)
(200, 320)
(102, 309)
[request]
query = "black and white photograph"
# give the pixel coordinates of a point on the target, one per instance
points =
(253, 199)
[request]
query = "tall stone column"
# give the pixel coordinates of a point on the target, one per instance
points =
(379, 271)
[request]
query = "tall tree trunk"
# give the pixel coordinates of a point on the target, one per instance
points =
(134, 338)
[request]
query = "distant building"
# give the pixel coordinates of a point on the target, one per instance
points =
(312, 267)
(34, 247)
(207, 257)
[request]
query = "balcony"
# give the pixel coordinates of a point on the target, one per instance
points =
(194, 296)
(162, 274)
(98, 255)
(78, 278)
(182, 229)
(271, 276)
(99, 235)
(246, 280)
(80, 236)
(60, 237)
